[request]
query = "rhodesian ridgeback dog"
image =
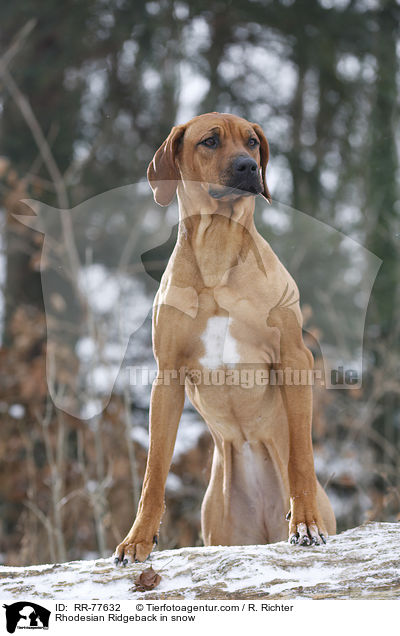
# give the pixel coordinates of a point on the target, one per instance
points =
(227, 308)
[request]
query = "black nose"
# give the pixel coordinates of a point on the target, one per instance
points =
(245, 166)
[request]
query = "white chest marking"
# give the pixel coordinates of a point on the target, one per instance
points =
(220, 347)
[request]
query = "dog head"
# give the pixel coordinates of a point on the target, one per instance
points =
(227, 154)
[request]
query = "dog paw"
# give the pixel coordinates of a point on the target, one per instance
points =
(305, 524)
(307, 534)
(134, 548)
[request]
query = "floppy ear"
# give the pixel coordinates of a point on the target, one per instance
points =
(163, 173)
(264, 155)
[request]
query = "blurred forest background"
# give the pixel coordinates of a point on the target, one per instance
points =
(88, 91)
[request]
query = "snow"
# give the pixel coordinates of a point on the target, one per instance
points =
(17, 411)
(174, 483)
(360, 563)
(120, 305)
(191, 428)
(141, 436)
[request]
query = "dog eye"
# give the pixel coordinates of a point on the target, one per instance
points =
(253, 142)
(210, 142)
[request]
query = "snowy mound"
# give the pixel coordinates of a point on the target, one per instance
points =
(362, 563)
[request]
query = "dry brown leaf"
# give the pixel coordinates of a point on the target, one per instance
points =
(147, 580)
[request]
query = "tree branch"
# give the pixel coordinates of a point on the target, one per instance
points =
(27, 113)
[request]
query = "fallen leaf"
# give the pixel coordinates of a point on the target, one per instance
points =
(147, 580)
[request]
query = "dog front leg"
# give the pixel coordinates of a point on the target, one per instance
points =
(166, 407)
(306, 526)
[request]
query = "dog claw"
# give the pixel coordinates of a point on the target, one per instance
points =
(125, 562)
(287, 517)
(116, 561)
(306, 534)
(304, 540)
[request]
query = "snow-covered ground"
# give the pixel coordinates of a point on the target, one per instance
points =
(361, 563)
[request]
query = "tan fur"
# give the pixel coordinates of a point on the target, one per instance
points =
(263, 459)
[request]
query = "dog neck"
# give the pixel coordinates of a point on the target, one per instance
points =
(216, 232)
(194, 200)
